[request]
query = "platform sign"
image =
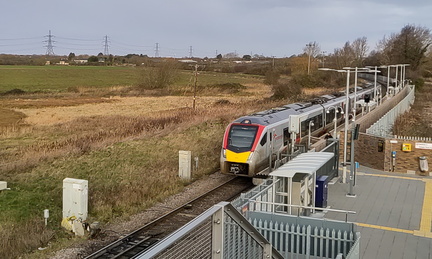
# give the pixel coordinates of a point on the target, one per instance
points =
(423, 145)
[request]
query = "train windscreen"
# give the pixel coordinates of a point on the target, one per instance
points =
(241, 138)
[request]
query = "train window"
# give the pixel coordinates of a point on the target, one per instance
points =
(330, 116)
(304, 128)
(263, 140)
(286, 136)
(318, 121)
(241, 138)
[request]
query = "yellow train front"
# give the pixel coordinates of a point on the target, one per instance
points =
(241, 151)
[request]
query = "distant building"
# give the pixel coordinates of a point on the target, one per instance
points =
(190, 61)
(63, 63)
(81, 61)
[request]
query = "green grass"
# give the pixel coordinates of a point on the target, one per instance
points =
(124, 178)
(60, 78)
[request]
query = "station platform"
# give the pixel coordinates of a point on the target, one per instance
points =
(393, 213)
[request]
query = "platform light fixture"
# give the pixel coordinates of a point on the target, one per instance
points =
(309, 135)
(375, 70)
(335, 118)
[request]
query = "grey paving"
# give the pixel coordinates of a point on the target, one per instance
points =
(384, 201)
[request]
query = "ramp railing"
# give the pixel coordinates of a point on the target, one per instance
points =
(383, 127)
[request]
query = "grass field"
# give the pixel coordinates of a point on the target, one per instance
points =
(126, 146)
(62, 78)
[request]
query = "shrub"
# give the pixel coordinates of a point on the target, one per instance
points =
(160, 76)
(15, 91)
(271, 77)
(286, 89)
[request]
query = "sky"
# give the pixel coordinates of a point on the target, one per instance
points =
(203, 28)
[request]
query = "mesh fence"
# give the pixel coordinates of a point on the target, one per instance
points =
(383, 127)
(196, 244)
(238, 243)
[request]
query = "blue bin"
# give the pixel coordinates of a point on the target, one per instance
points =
(321, 191)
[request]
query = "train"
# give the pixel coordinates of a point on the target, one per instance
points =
(252, 142)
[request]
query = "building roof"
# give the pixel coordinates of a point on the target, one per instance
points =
(306, 163)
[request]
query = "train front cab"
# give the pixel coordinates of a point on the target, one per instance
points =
(239, 151)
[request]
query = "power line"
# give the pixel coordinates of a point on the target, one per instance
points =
(65, 38)
(32, 38)
(49, 46)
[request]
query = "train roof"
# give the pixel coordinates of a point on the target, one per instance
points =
(277, 114)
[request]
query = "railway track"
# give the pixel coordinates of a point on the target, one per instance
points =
(143, 238)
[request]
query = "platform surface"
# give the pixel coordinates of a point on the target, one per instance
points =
(393, 213)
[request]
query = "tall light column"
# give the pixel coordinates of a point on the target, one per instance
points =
(375, 84)
(335, 118)
(403, 74)
(355, 95)
(309, 49)
(346, 123)
(375, 70)
(396, 77)
(356, 71)
(347, 71)
(388, 77)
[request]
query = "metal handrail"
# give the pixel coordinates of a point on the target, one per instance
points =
(308, 207)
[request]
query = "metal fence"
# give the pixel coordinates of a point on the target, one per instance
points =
(383, 127)
(302, 237)
(220, 232)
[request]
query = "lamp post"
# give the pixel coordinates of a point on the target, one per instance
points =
(335, 118)
(309, 49)
(323, 57)
(388, 77)
(346, 116)
(375, 79)
(396, 78)
(403, 73)
(309, 135)
(375, 70)
(356, 70)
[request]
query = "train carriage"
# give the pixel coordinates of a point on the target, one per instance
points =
(252, 142)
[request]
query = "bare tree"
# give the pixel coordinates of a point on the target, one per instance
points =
(359, 49)
(409, 46)
(344, 56)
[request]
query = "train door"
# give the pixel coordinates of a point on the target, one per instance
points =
(272, 148)
(263, 151)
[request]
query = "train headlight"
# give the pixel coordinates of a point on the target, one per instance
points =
(224, 153)
(250, 157)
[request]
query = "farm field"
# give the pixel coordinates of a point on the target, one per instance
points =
(63, 78)
(125, 143)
